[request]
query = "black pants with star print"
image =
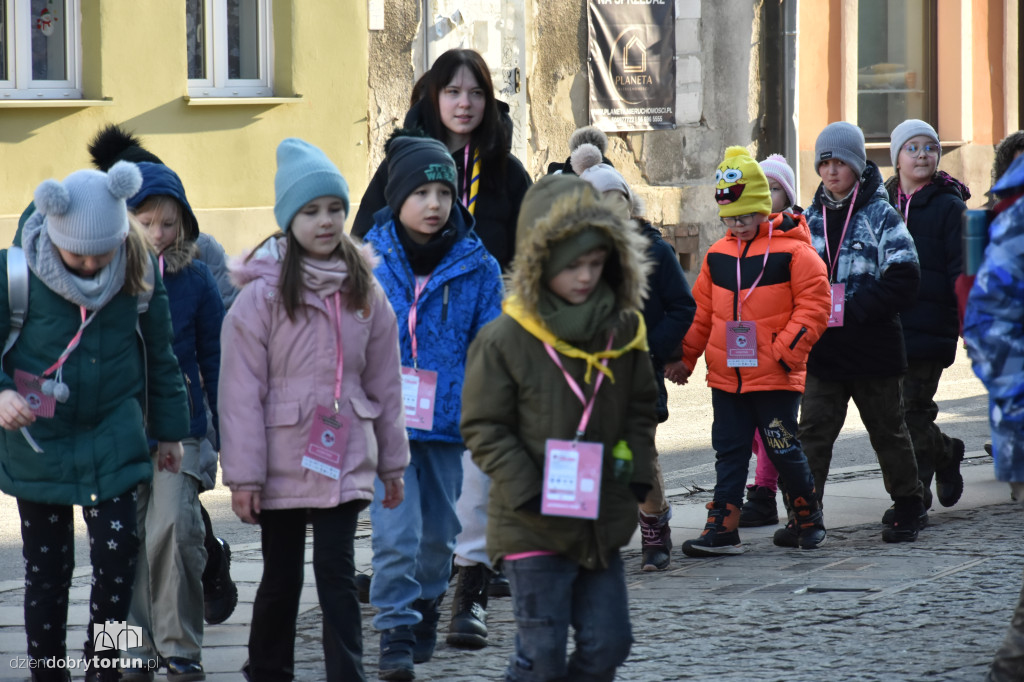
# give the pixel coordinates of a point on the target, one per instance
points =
(48, 539)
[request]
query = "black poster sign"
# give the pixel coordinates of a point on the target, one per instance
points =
(632, 64)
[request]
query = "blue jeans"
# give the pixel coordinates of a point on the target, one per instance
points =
(773, 413)
(550, 593)
(413, 544)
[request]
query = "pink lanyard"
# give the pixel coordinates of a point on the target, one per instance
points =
(341, 360)
(899, 200)
(73, 344)
(588, 406)
(420, 286)
(824, 221)
(739, 285)
(160, 262)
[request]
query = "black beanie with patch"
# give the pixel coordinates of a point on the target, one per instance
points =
(414, 161)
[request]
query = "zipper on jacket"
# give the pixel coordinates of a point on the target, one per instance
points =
(188, 390)
(796, 339)
(444, 305)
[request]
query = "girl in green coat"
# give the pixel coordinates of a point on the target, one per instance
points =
(72, 395)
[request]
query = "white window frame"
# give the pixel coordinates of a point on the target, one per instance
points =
(215, 36)
(18, 27)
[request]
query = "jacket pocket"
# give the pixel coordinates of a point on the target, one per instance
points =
(282, 414)
(366, 409)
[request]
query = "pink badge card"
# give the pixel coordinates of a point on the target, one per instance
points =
(31, 389)
(327, 442)
(740, 344)
(838, 308)
(418, 389)
(572, 479)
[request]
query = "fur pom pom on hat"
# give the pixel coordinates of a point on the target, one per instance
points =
(86, 213)
(113, 143)
(740, 185)
(587, 163)
(776, 168)
(588, 135)
(304, 173)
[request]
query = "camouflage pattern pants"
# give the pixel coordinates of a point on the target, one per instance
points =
(933, 448)
(880, 402)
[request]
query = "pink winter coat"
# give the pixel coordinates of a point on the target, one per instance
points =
(275, 372)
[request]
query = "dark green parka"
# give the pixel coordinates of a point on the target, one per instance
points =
(515, 397)
(95, 446)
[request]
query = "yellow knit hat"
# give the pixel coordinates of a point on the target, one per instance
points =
(740, 185)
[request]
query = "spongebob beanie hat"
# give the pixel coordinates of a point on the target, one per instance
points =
(740, 185)
(414, 161)
(304, 173)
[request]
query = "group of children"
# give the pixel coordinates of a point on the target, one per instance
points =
(359, 375)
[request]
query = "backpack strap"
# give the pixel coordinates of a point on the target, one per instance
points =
(17, 293)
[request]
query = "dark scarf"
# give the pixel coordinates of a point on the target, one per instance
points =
(577, 323)
(424, 258)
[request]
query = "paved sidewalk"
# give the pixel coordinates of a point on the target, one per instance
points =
(857, 609)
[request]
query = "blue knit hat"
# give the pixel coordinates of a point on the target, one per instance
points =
(304, 173)
(159, 180)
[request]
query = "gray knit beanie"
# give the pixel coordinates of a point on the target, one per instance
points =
(843, 141)
(912, 127)
(86, 214)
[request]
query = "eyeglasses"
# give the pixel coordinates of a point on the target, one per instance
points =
(738, 221)
(927, 150)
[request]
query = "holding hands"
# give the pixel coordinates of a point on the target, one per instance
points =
(677, 373)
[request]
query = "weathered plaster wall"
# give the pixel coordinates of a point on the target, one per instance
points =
(719, 54)
(673, 170)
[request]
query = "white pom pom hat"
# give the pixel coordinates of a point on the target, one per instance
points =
(86, 213)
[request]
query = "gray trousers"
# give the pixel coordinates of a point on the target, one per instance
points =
(167, 601)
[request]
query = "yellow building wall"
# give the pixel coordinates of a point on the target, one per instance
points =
(224, 152)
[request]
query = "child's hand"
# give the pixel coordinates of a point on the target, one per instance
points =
(394, 493)
(14, 411)
(677, 372)
(246, 505)
(168, 456)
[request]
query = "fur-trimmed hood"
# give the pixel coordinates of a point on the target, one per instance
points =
(560, 207)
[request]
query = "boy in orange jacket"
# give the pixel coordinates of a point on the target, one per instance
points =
(762, 301)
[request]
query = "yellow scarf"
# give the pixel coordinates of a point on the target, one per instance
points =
(513, 307)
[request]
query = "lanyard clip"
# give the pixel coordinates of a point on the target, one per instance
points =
(336, 410)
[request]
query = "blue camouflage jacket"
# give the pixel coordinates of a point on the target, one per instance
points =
(994, 332)
(464, 293)
(878, 263)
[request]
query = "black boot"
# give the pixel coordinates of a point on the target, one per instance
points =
(426, 630)
(50, 675)
(809, 522)
(468, 629)
(759, 509)
(498, 585)
(396, 647)
(949, 482)
(905, 522)
(220, 594)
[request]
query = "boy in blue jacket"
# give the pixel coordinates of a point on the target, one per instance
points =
(444, 286)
